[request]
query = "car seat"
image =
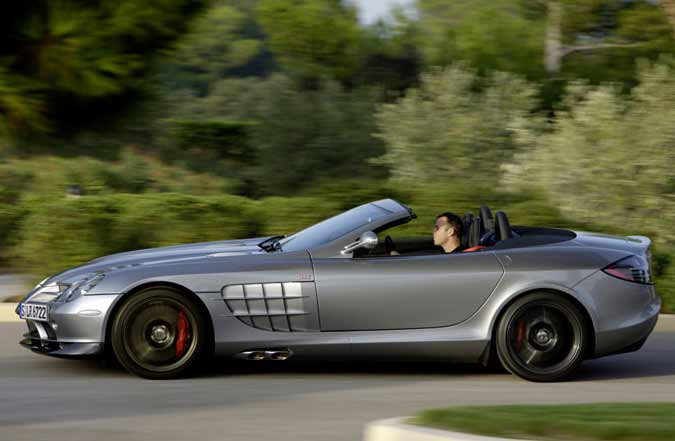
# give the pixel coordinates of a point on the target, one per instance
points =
(475, 233)
(488, 220)
(467, 220)
(503, 229)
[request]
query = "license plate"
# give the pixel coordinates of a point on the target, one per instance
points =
(31, 311)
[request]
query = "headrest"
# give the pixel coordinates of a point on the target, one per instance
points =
(488, 221)
(467, 220)
(503, 228)
(475, 232)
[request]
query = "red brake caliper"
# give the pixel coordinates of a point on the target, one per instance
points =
(182, 334)
(521, 334)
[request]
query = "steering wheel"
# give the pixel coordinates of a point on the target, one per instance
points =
(389, 245)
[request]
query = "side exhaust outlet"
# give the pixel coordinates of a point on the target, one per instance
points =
(275, 355)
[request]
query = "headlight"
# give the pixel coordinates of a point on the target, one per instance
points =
(81, 287)
(47, 293)
(59, 292)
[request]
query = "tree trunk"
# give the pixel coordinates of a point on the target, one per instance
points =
(553, 50)
(669, 8)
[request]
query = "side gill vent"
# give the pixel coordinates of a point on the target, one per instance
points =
(269, 306)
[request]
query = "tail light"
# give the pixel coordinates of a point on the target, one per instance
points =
(631, 268)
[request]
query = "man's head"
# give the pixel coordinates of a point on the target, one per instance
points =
(448, 231)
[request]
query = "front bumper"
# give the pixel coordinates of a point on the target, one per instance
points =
(73, 329)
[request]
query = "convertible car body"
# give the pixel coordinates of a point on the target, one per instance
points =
(538, 300)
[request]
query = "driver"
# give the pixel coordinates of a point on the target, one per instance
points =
(447, 233)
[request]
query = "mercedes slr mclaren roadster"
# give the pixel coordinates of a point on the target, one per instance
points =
(537, 300)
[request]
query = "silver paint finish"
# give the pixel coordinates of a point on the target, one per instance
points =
(441, 307)
(399, 292)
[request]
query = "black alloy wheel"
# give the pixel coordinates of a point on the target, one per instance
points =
(159, 333)
(542, 337)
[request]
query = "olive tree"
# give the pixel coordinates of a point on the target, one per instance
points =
(454, 126)
(609, 157)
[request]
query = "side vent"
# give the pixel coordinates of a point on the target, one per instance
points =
(280, 307)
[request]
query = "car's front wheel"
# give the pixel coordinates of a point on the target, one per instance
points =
(159, 333)
(541, 337)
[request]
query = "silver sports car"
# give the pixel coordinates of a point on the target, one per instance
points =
(537, 300)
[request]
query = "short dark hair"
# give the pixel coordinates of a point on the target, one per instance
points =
(453, 220)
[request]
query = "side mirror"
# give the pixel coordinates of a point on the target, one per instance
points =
(367, 240)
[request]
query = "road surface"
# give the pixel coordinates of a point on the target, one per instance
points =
(43, 398)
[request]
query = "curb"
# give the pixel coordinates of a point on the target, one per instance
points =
(395, 429)
(665, 323)
(7, 313)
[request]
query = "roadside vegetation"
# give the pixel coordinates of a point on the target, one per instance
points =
(199, 120)
(576, 422)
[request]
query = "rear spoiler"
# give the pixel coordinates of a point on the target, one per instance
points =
(644, 243)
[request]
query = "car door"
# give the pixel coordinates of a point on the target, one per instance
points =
(403, 292)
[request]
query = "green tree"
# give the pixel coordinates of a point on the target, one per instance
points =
(453, 127)
(61, 60)
(303, 136)
(392, 59)
(219, 40)
(313, 38)
(489, 34)
(609, 156)
(546, 39)
(297, 136)
(601, 39)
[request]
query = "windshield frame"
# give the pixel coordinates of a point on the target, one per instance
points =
(378, 213)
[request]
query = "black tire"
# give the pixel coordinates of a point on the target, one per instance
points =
(541, 337)
(159, 333)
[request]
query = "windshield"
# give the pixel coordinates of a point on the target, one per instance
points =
(333, 228)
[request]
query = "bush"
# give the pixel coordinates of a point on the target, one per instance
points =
(280, 215)
(12, 183)
(300, 136)
(64, 233)
(169, 219)
(10, 217)
(50, 176)
(354, 192)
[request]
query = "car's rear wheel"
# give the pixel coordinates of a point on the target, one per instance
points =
(541, 337)
(159, 333)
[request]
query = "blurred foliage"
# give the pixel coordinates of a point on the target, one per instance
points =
(324, 132)
(77, 54)
(66, 232)
(454, 127)
(47, 176)
(510, 35)
(642, 27)
(392, 59)
(313, 38)
(489, 34)
(220, 40)
(609, 157)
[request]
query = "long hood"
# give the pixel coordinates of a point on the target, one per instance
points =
(170, 254)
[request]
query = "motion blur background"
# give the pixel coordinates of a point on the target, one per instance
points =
(128, 124)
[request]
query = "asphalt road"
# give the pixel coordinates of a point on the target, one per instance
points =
(43, 398)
